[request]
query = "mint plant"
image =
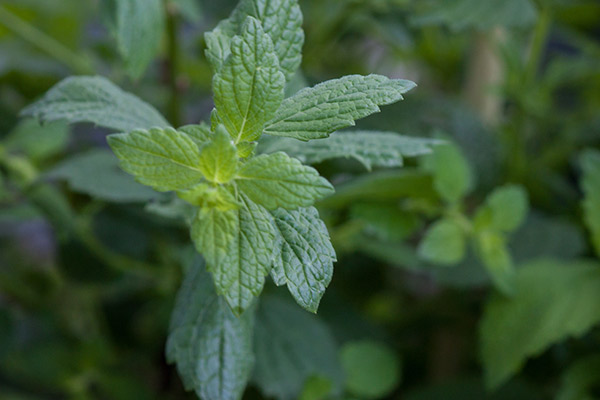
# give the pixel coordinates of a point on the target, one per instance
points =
(254, 211)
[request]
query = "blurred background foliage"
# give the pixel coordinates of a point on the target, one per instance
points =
(456, 276)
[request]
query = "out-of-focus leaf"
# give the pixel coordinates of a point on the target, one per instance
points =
(452, 175)
(38, 141)
(444, 243)
(579, 380)
(385, 221)
(139, 29)
(97, 100)
(372, 369)
(316, 388)
(504, 209)
(97, 174)
(590, 162)
(189, 9)
(292, 345)
(370, 148)
(474, 389)
(382, 185)
(485, 15)
(211, 347)
(553, 301)
(495, 256)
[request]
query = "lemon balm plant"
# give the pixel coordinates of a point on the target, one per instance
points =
(253, 209)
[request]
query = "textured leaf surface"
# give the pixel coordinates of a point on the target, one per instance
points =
(316, 112)
(292, 345)
(238, 247)
(444, 243)
(162, 158)
(211, 347)
(276, 180)
(97, 100)
(218, 159)
(109, 182)
(452, 177)
(281, 20)
(590, 162)
(553, 301)
(200, 133)
(485, 15)
(504, 210)
(370, 148)
(139, 29)
(249, 87)
(304, 255)
(372, 369)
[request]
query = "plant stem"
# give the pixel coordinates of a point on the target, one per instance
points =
(540, 37)
(173, 54)
(51, 46)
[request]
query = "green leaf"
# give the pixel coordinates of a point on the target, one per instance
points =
(452, 175)
(385, 221)
(162, 158)
(97, 174)
(504, 210)
(590, 163)
(97, 100)
(38, 141)
(139, 30)
(475, 14)
(211, 347)
(316, 388)
(291, 346)
(372, 369)
(218, 159)
(249, 87)
(553, 301)
(381, 186)
(209, 195)
(315, 112)
(580, 379)
(200, 133)
(276, 180)
(238, 247)
(280, 19)
(304, 255)
(370, 148)
(495, 256)
(444, 243)
(189, 9)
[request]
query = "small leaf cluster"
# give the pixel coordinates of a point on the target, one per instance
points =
(503, 211)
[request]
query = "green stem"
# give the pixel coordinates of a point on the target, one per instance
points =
(173, 54)
(51, 46)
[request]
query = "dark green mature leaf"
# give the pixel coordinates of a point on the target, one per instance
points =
(97, 100)
(590, 162)
(109, 182)
(484, 15)
(553, 301)
(164, 159)
(370, 148)
(292, 345)
(304, 255)
(276, 180)
(238, 247)
(444, 243)
(139, 30)
(372, 369)
(315, 112)
(249, 87)
(211, 347)
(280, 19)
